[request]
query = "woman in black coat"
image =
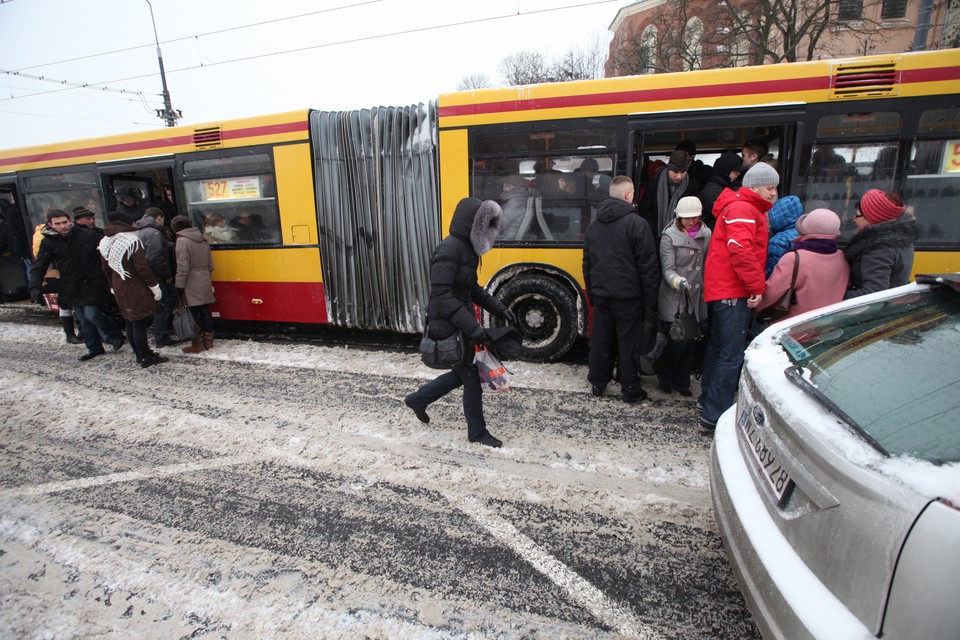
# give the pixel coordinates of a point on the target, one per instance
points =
(453, 292)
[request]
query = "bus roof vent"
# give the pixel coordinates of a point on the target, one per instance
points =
(207, 137)
(865, 79)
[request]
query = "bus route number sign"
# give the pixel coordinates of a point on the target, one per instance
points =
(231, 189)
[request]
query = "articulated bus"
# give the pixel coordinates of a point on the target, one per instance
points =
(348, 206)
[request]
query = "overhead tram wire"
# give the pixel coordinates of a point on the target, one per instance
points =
(202, 35)
(319, 46)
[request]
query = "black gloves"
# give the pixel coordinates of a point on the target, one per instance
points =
(479, 337)
(509, 316)
(36, 296)
(180, 292)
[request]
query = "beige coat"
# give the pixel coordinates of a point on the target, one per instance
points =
(194, 266)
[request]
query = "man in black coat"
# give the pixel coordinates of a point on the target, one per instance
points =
(622, 276)
(82, 284)
(453, 292)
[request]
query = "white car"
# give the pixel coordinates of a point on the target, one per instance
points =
(836, 476)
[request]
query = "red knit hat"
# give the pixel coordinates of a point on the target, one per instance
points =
(877, 207)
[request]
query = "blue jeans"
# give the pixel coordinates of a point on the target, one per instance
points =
(724, 356)
(93, 322)
(469, 378)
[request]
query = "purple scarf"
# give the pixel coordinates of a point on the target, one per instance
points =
(817, 245)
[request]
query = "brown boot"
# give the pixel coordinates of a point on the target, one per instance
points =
(196, 346)
(207, 339)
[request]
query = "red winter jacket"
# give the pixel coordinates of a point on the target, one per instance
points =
(738, 248)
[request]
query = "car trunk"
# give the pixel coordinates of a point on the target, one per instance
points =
(844, 519)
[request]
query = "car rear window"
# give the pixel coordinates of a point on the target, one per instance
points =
(892, 367)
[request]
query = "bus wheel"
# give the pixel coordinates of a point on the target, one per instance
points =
(546, 315)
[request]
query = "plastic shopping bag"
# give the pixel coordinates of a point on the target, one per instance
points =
(493, 375)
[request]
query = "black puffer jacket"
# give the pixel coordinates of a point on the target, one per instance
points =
(75, 254)
(881, 256)
(453, 272)
(619, 255)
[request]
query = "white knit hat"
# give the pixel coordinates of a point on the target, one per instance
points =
(689, 207)
(761, 175)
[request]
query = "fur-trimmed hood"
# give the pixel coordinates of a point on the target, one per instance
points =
(477, 222)
(896, 234)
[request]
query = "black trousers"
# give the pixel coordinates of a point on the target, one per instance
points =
(616, 327)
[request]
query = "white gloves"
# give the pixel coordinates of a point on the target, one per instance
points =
(155, 289)
(680, 283)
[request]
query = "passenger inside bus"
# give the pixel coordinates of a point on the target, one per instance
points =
(216, 231)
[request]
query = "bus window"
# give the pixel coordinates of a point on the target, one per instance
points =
(64, 191)
(548, 182)
(853, 153)
(230, 208)
(546, 199)
(931, 188)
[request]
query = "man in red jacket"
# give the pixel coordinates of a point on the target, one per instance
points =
(734, 283)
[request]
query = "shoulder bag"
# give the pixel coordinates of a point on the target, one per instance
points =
(183, 323)
(778, 310)
(441, 354)
(685, 327)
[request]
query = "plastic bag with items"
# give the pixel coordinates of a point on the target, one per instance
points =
(493, 375)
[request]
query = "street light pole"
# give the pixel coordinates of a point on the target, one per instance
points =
(167, 114)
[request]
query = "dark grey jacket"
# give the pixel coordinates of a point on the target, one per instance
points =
(156, 246)
(881, 256)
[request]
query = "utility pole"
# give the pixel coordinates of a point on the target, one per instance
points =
(167, 114)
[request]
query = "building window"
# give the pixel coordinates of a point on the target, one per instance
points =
(893, 9)
(850, 10)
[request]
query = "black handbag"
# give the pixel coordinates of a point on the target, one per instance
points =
(441, 354)
(778, 310)
(685, 327)
(183, 323)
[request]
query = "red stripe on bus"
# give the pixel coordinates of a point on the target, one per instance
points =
(681, 93)
(271, 301)
(155, 143)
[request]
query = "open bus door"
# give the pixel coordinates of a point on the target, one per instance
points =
(15, 252)
(150, 181)
(654, 136)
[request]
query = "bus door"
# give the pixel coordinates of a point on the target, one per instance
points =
(149, 182)
(15, 251)
(655, 136)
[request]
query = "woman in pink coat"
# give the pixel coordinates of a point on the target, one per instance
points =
(823, 274)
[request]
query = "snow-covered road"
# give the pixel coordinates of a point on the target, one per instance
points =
(259, 490)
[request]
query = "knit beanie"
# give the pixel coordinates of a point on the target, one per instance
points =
(877, 207)
(689, 207)
(819, 223)
(761, 175)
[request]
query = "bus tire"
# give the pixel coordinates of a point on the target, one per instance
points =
(546, 316)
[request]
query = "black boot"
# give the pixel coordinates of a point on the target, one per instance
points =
(151, 358)
(68, 328)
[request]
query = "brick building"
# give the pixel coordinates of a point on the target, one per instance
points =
(651, 36)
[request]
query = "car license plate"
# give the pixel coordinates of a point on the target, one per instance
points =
(768, 461)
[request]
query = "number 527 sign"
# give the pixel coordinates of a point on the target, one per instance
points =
(231, 188)
(951, 160)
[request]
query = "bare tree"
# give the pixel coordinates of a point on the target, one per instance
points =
(474, 81)
(580, 63)
(524, 67)
(741, 32)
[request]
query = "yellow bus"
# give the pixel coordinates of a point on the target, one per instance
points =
(348, 206)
